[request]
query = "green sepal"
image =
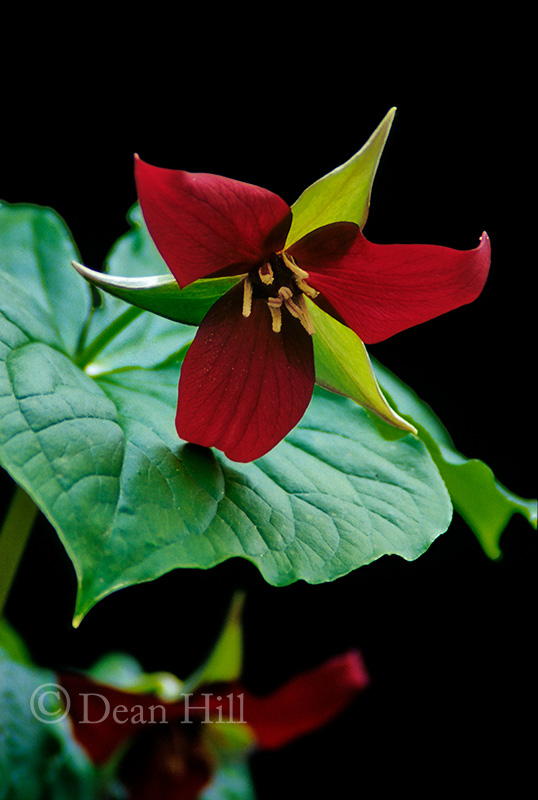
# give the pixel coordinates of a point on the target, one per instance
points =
(342, 195)
(161, 294)
(343, 366)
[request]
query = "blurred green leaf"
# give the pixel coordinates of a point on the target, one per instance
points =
(37, 759)
(231, 782)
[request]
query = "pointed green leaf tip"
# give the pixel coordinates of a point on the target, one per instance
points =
(342, 195)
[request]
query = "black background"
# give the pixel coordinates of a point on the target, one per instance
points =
(446, 638)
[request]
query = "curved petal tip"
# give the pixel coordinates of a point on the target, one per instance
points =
(380, 290)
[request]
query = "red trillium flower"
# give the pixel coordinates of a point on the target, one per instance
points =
(165, 749)
(249, 374)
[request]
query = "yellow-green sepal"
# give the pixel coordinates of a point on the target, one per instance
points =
(343, 366)
(342, 195)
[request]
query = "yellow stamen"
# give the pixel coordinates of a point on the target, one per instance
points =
(304, 287)
(266, 273)
(285, 293)
(301, 312)
(247, 297)
(289, 261)
(275, 302)
(294, 310)
(276, 318)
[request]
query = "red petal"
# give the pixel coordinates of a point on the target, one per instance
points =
(204, 224)
(379, 290)
(307, 702)
(242, 386)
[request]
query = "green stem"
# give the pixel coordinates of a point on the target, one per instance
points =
(14, 535)
(84, 334)
(106, 336)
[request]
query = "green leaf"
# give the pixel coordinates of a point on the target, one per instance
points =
(484, 503)
(97, 450)
(344, 194)
(343, 366)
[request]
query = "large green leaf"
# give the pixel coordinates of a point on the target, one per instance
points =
(484, 503)
(344, 194)
(96, 449)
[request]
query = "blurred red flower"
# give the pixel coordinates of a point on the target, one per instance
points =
(165, 747)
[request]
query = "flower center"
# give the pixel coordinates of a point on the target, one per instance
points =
(281, 283)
